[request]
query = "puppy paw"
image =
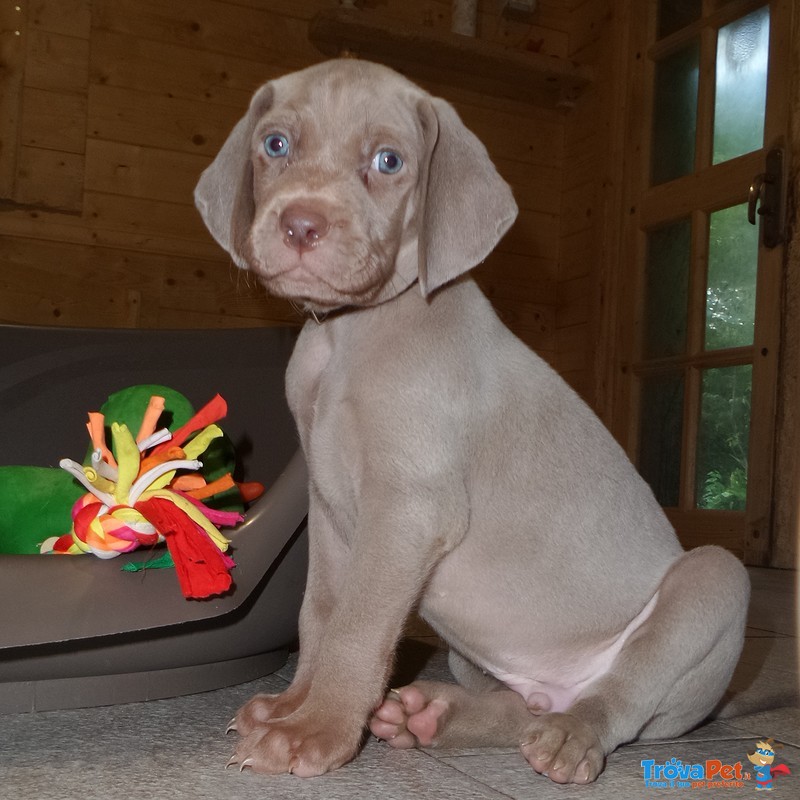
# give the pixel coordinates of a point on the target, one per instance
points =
(409, 717)
(305, 748)
(563, 748)
(263, 708)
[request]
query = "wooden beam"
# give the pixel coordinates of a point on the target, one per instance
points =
(494, 70)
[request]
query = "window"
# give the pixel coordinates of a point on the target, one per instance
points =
(700, 346)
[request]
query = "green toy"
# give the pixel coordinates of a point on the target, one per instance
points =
(141, 491)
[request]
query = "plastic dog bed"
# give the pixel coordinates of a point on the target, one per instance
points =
(76, 631)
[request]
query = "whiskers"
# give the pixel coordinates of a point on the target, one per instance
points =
(244, 282)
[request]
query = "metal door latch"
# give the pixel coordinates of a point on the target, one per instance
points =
(766, 200)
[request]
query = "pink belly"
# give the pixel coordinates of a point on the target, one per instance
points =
(556, 689)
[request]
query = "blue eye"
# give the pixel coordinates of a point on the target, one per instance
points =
(388, 162)
(276, 145)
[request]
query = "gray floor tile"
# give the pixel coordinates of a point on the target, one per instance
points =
(753, 633)
(765, 677)
(177, 749)
(778, 652)
(624, 774)
(782, 724)
(379, 773)
(772, 605)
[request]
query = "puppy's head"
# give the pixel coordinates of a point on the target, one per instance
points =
(345, 182)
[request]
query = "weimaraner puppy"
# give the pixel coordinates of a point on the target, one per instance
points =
(451, 470)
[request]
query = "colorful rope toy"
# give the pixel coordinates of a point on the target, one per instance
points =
(148, 491)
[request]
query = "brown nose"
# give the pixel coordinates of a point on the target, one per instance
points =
(302, 228)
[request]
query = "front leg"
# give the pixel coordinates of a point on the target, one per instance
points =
(399, 538)
(326, 563)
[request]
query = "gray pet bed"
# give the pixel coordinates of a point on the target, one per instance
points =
(76, 631)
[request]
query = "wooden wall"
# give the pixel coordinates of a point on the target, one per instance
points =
(785, 550)
(110, 109)
(589, 206)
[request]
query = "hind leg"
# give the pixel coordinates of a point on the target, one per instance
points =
(432, 714)
(437, 714)
(718, 623)
(666, 679)
(482, 712)
(671, 673)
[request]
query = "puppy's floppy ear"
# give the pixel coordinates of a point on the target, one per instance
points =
(467, 206)
(224, 193)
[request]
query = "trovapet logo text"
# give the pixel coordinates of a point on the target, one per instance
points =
(709, 774)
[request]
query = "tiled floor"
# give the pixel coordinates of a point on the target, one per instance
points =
(176, 750)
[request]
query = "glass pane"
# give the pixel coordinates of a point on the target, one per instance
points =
(731, 292)
(661, 423)
(722, 440)
(741, 93)
(667, 289)
(675, 114)
(676, 14)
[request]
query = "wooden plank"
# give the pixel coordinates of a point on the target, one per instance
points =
(533, 234)
(54, 120)
(35, 223)
(594, 165)
(143, 217)
(135, 171)
(13, 45)
(534, 141)
(580, 382)
(302, 10)
(67, 17)
(579, 254)
(576, 301)
(584, 161)
(588, 22)
(180, 319)
(63, 305)
(509, 275)
(174, 123)
(56, 283)
(169, 123)
(129, 62)
(57, 63)
(122, 60)
(260, 35)
(572, 348)
(59, 286)
(579, 208)
(442, 84)
(118, 268)
(785, 538)
(50, 179)
(497, 71)
(601, 159)
(218, 291)
(546, 32)
(533, 323)
(537, 187)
